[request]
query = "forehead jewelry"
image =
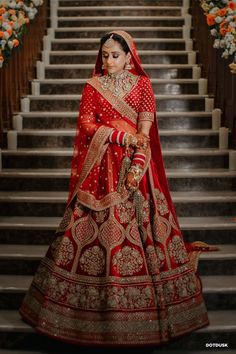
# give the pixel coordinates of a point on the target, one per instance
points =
(109, 42)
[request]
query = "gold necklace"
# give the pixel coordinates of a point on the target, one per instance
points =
(118, 84)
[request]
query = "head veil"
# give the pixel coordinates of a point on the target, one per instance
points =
(154, 136)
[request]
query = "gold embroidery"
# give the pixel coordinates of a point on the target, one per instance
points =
(111, 234)
(146, 210)
(110, 172)
(128, 327)
(92, 261)
(62, 250)
(89, 200)
(101, 215)
(118, 103)
(125, 211)
(154, 258)
(133, 234)
(161, 228)
(162, 205)
(84, 231)
(177, 249)
(151, 259)
(186, 285)
(66, 221)
(184, 308)
(172, 222)
(143, 116)
(46, 262)
(79, 210)
(111, 239)
(138, 202)
(95, 150)
(127, 261)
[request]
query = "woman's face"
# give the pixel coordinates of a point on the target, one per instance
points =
(114, 58)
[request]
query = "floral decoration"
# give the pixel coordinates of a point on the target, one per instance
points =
(14, 17)
(221, 18)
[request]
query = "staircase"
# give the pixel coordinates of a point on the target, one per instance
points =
(34, 179)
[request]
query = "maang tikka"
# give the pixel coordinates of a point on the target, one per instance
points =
(110, 42)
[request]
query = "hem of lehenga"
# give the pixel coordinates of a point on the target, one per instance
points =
(88, 344)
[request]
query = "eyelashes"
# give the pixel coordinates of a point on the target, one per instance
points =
(114, 56)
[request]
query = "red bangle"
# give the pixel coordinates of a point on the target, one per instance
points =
(138, 159)
(117, 137)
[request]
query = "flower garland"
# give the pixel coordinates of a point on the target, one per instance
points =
(14, 17)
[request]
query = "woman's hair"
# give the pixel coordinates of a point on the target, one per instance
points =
(116, 38)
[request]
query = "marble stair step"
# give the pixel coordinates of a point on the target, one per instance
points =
(136, 32)
(191, 102)
(118, 10)
(219, 291)
(61, 158)
(67, 120)
(76, 71)
(120, 2)
(169, 138)
(142, 21)
(148, 43)
(75, 86)
(20, 259)
(155, 57)
(58, 179)
(41, 230)
(52, 203)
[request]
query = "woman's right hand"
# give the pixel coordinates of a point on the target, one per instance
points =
(143, 141)
(139, 140)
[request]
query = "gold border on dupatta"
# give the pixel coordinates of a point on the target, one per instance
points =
(96, 148)
(110, 199)
(117, 102)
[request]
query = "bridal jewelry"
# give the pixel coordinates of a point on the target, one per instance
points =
(128, 66)
(109, 42)
(118, 84)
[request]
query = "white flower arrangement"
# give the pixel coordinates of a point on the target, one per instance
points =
(221, 18)
(14, 17)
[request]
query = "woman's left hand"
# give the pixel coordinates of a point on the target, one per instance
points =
(131, 183)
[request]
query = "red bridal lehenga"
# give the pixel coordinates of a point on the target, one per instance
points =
(118, 272)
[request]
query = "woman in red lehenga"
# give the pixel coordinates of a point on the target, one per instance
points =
(118, 272)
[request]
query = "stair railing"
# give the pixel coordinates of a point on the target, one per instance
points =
(16, 74)
(221, 82)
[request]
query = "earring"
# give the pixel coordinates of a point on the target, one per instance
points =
(103, 66)
(128, 66)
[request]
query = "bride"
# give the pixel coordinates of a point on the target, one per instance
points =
(118, 272)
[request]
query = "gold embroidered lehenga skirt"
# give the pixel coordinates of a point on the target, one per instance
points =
(118, 276)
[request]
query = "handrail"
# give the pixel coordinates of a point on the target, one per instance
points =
(15, 75)
(221, 82)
